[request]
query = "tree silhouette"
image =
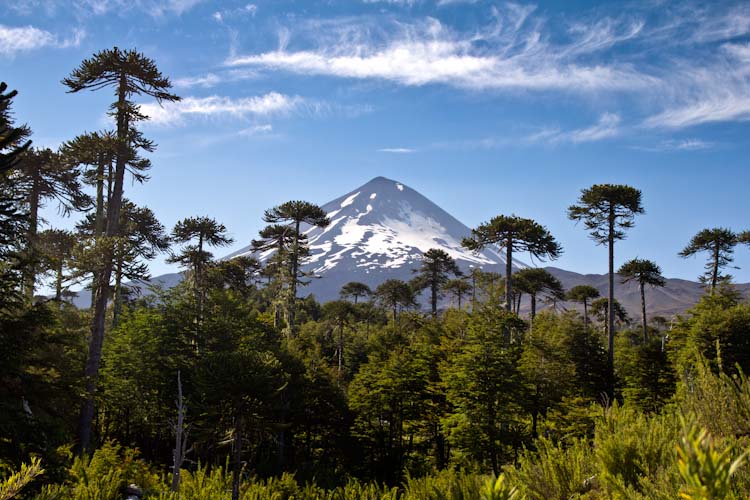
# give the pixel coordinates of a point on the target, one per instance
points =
(44, 176)
(293, 214)
(340, 313)
(13, 140)
(130, 74)
(719, 242)
(536, 281)
(355, 289)
(644, 272)
(583, 294)
(56, 247)
(395, 294)
(434, 272)
(607, 210)
(458, 287)
(515, 234)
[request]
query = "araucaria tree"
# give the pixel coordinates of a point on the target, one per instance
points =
(536, 281)
(719, 242)
(355, 290)
(607, 210)
(395, 295)
(644, 272)
(583, 294)
(437, 267)
(13, 140)
(514, 234)
(293, 214)
(130, 73)
(44, 176)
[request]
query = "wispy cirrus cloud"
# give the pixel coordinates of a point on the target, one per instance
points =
(14, 40)
(176, 113)
(606, 127)
(397, 150)
(512, 53)
(155, 8)
(718, 91)
(667, 145)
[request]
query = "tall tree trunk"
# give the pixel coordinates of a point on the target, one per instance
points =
(58, 284)
(508, 273)
(237, 457)
(643, 312)
(100, 220)
(292, 298)
(117, 298)
(178, 454)
(91, 371)
(585, 316)
(31, 266)
(715, 269)
(341, 346)
(611, 306)
(433, 297)
(533, 310)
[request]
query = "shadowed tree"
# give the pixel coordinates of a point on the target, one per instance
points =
(535, 281)
(719, 242)
(355, 289)
(600, 309)
(239, 274)
(198, 233)
(13, 140)
(130, 74)
(340, 314)
(395, 295)
(644, 272)
(514, 234)
(13, 220)
(44, 176)
(56, 247)
(293, 214)
(458, 287)
(583, 294)
(607, 210)
(278, 239)
(437, 266)
(204, 232)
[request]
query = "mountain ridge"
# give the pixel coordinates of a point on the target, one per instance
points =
(380, 230)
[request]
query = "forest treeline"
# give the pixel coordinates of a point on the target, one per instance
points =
(233, 384)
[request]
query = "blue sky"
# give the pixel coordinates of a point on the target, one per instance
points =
(485, 107)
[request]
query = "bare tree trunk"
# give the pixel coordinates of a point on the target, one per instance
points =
(180, 448)
(643, 312)
(91, 371)
(237, 457)
(715, 270)
(585, 316)
(611, 306)
(508, 272)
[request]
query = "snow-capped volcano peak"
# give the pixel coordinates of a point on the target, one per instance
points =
(380, 230)
(385, 224)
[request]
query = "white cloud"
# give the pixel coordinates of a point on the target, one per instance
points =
(717, 91)
(397, 150)
(606, 127)
(14, 40)
(510, 54)
(256, 130)
(207, 80)
(175, 113)
(678, 145)
(155, 8)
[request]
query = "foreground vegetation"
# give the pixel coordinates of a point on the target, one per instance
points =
(230, 385)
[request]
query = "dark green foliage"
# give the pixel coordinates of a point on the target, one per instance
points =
(719, 242)
(514, 234)
(607, 210)
(396, 295)
(355, 290)
(437, 266)
(644, 272)
(534, 282)
(13, 140)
